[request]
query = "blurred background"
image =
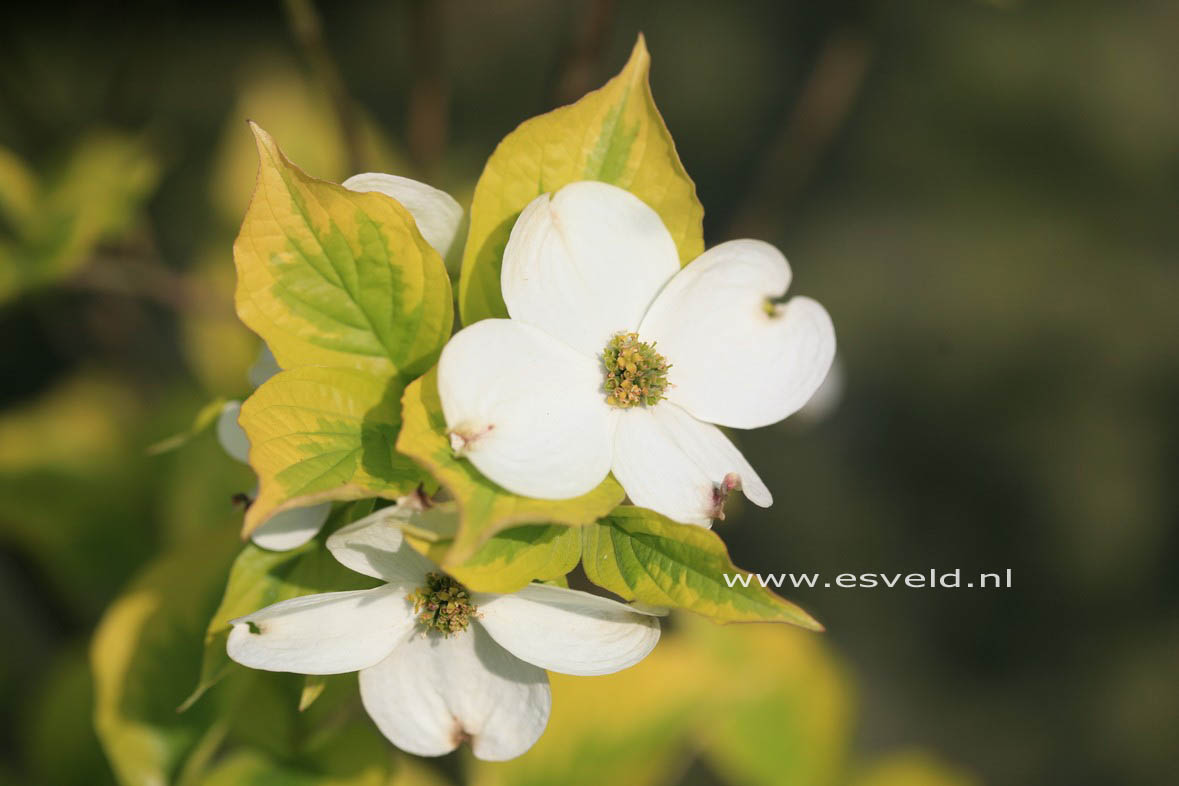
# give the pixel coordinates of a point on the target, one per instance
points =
(982, 194)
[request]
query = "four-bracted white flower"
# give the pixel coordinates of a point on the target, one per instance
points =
(616, 360)
(438, 218)
(440, 665)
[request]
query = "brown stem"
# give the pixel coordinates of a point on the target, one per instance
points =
(145, 278)
(576, 74)
(429, 97)
(820, 111)
(308, 33)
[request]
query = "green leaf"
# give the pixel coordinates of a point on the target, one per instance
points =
(324, 433)
(640, 736)
(614, 134)
(641, 555)
(59, 743)
(313, 685)
(484, 507)
(913, 767)
(205, 417)
(259, 578)
(330, 277)
(55, 223)
(18, 189)
(331, 744)
(513, 558)
(145, 655)
(789, 719)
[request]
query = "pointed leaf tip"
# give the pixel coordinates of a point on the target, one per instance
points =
(615, 135)
(692, 563)
(332, 277)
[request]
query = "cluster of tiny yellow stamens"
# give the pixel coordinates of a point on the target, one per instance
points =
(635, 372)
(442, 604)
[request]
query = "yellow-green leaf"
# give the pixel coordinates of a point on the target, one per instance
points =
(513, 558)
(313, 685)
(327, 276)
(517, 556)
(145, 655)
(640, 736)
(18, 189)
(914, 767)
(484, 507)
(324, 433)
(613, 134)
(641, 555)
(57, 221)
(505, 562)
(789, 719)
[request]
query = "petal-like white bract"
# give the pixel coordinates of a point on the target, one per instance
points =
(526, 409)
(330, 633)
(566, 630)
(585, 263)
(290, 529)
(735, 360)
(436, 213)
(230, 434)
(375, 546)
(264, 367)
(434, 692)
(676, 465)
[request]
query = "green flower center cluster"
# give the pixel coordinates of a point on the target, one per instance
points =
(635, 372)
(442, 604)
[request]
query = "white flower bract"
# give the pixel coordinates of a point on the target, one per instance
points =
(523, 397)
(428, 692)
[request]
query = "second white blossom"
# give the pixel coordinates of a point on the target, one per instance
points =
(616, 360)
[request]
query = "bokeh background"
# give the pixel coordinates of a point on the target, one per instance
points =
(983, 195)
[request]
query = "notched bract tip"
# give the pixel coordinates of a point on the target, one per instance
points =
(463, 439)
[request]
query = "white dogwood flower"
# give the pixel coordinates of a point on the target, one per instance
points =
(616, 360)
(440, 665)
(438, 217)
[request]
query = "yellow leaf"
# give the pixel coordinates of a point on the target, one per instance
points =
(324, 433)
(788, 719)
(331, 277)
(913, 768)
(613, 134)
(625, 728)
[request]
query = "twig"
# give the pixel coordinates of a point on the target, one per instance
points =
(148, 279)
(429, 96)
(308, 32)
(820, 111)
(575, 74)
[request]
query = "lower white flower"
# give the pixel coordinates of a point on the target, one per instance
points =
(616, 360)
(439, 665)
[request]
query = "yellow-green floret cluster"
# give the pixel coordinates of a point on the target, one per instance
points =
(442, 604)
(635, 372)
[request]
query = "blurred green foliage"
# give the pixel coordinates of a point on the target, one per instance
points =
(56, 223)
(982, 194)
